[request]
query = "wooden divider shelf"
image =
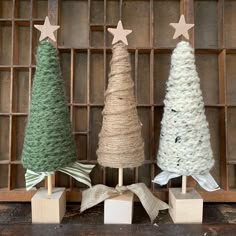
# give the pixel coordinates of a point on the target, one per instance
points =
(85, 51)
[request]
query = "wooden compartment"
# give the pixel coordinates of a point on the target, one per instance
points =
(206, 24)
(95, 128)
(230, 76)
(145, 119)
(85, 52)
(22, 52)
(112, 176)
(4, 138)
(165, 12)
(138, 21)
(18, 132)
(231, 141)
(6, 9)
(161, 74)
(5, 88)
(97, 175)
(129, 176)
(158, 113)
(81, 144)
(62, 180)
(232, 174)
(20, 91)
(5, 43)
(144, 175)
(229, 23)
(213, 118)
(97, 38)
(97, 12)
(22, 9)
(80, 119)
(40, 9)
(207, 68)
(34, 34)
(80, 79)
(3, 177)
(97, 78)
(143, 78)
(74, 24)
(17, 176)
(112, 12)
(65, 57)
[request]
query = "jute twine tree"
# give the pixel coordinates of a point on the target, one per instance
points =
(120, 140)
(185, 147)
(49, 145)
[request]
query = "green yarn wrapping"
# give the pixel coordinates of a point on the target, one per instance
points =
(49, 144)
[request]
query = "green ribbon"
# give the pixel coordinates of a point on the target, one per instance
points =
(78, 171)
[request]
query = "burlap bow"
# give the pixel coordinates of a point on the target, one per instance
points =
(99, 193)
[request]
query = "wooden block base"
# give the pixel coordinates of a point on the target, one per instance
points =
(48, 209)
(119, 210)
(185, 208)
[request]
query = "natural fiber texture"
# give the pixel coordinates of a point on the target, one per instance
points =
(185, 146)
(48, 144)
(120, 140)
(99, 193)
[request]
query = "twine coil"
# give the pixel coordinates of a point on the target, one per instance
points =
(120, 140)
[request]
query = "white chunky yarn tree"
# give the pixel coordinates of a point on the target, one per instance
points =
(184, 147)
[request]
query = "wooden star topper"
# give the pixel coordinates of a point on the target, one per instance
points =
(47, 30)
(119, 33)
(181, 28)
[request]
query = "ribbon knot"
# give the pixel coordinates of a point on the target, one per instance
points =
(121, 189)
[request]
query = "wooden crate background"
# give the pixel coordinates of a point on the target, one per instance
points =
(85, 51)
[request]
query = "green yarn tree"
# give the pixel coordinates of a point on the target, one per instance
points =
(48, 144)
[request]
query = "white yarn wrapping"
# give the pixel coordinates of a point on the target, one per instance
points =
(184, 147)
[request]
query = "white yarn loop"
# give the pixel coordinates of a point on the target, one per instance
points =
(185, 147)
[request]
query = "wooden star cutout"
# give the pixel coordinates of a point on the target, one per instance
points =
(181, 28)
(119, 33)
(47, 30)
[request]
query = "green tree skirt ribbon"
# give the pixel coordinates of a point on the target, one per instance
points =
(99, 193)
(78, 171)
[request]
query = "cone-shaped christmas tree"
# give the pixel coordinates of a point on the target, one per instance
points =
(49, 145)
(184, 147)
(120, 140)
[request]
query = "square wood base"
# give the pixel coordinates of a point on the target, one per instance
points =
(185, 208)
(119, 210)
(48, 209)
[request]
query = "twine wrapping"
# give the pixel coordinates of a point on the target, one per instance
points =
(99, 193)
(120, 140)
